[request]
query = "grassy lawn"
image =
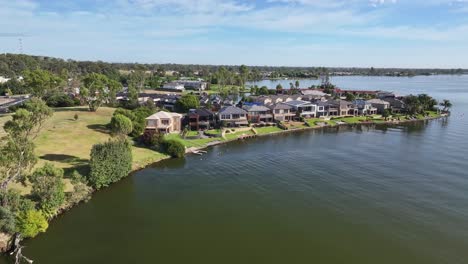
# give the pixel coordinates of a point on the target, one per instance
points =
(351, 120)
(67, 143)
(314, 122)
(213, 131)
(192, 142)
(231, 136)
(3, 120)
(192, 133)
(267, 130)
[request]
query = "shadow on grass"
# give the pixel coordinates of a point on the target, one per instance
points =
(71, 109)
(78, 164)
(99, 128)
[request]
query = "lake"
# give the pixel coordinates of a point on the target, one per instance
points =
(362, 194)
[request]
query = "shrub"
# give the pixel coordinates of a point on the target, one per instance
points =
(121, 125)
(59, 100)
(174, 148)
(75, 117)
(48, 189)
(7, 221)
(110, 162)
(31, 222)
(152, 139)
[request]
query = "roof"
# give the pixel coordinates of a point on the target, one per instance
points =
(313, 92)
(377, 101)
(256, 108)
(230, 110)
(298, 103)
(163, 115)
(280, 106)
(202, 112)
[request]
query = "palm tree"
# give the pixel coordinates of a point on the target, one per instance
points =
(446, 104)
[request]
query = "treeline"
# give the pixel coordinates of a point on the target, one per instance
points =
(13, 65)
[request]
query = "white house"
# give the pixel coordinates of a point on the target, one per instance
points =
(174, 86)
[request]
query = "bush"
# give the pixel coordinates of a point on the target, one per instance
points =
(174, 148)
(48, 189)
(152, 139)
(138, 117)
(110, 162)
(30, 223)
(7, 221)
(121, 125)
(59, 100)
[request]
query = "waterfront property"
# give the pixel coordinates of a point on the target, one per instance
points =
(380, 104)
(233, 116)
(364, 107)
(201, 118)
(164, 122)
(282, 112)
(396, 105)
(305, 109)
(258, 113)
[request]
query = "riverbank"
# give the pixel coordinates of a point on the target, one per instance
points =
(66, 142)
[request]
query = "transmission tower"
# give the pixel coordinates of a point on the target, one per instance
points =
(20, 45)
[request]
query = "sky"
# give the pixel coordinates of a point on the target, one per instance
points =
(353, 33)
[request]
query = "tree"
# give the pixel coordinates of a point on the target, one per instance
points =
(387, 113)
(121, 125)
(412, 104)
(446, 104)
(350, 97)
(244, 75)
(95, 90)
(174, 148)
(426, 102)
(7, 221)
(110, 162)
(41, 82)
(48, 189)
(297, 84)
(17, 151)
(31, 222)
(187, 102)
(279, 89)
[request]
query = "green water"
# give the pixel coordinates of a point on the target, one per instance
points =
(359, 195)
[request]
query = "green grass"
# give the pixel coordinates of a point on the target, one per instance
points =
(67, 143)
(312, 122)
(351, 120)
(267, 130)
(202, 142)
(235, 135)
(3, 119)
(192, 133)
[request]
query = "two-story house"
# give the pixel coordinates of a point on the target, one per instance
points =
(304, 108)
(380, 104)
(164, 122)
(364, 107)
(233, 116)
(258, 113)
(201, 118)
(282, 112)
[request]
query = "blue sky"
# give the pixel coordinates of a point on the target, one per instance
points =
(361, 33)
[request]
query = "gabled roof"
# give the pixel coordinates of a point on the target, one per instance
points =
(230, 110)
(280, 106)
(163, 115)
(377, 101)
(297, 103)
(202, 112)
(256, 108)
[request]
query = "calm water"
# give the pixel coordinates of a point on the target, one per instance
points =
(344, 195)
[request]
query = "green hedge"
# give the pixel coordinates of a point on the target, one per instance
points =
(110, 162)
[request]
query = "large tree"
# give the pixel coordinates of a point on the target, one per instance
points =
(17, 148)
(97, 89)
(41, 82)
(48, 189)
(446, 104)
(244, 75)
(187, 102)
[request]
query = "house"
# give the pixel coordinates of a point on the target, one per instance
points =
(282, 112)
(348, 108)
(201, 118)
(193, 85)
(174, 86)
(384, 95)
(305, 109)
(263, 100)
(164, 122)
(314, 93)
(233, 116)
(364, 107)
(396, 105)
(380, 104)
(258, 113)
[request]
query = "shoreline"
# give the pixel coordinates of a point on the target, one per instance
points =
(5, 240)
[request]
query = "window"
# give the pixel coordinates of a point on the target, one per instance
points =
(225, 117)
(165, 122)
(277, 111)
(235, 116)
